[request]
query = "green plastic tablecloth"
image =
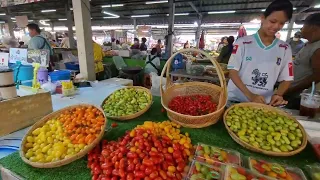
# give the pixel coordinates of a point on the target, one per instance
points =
(215, 135)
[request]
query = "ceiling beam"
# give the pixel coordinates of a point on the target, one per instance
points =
(195, 9)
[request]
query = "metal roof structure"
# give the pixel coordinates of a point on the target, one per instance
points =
(245, 10)
(120, 12)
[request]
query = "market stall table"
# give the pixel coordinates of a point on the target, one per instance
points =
(214, 135)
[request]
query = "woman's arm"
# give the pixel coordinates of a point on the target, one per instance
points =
(234, 76)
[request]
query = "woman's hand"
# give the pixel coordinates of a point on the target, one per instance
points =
(277, 100)
(257, 98)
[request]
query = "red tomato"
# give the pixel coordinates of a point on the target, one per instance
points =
(130, 176)
(139, 174)
(148, 171)
(114, 125)
(153, 175)
(147, 162)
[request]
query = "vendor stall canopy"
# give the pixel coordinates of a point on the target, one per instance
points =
(155, 12)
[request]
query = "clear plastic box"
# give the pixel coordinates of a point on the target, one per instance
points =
(208, 154)
(236, 172)
(314, 171)
(315, 141)
(202, 171)
(275, 170)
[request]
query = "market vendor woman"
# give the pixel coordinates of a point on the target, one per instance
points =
(261, 60)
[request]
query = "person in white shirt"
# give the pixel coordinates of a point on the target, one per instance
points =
(152, 63)
(65, 43)
(261, 60)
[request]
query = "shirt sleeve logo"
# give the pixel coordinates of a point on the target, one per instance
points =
(278, 61)
(235, 49)
(260, 79)
(290, 66)
(285, 46)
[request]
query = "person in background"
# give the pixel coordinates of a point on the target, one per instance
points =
(21, 44)
(306, 66)
(98, 57)
(118, 44)
(113, 44)
(136, 44)
(226, 51)
(65, 43)
(158, 47)
(39, 42)
(261, 60)
(186, 45)
(222, 44)
(152, 63)
(143, 46)
(296, 43)
(278, 35)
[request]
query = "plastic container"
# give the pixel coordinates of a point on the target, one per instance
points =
(72, 66)
(202, 171)
(42, 76)
(309, 106)
(6, 76)
(275, 170)
(237, 172)
(8, 91)
(59, 75)
(21, 72)
(208, 154)
(315, 142)
(314, 171)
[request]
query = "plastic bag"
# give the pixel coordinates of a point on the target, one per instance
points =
(155, 81)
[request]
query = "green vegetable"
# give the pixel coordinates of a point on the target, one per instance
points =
(126, 102)
(265, 129)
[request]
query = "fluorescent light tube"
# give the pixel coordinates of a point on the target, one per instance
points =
(112, 5)
(49, 10)
(221, 12)
(136, 16)
(155, 2)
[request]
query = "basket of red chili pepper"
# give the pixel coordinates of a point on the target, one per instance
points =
(193, 104)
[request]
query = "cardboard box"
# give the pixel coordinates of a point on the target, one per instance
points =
(23, 111)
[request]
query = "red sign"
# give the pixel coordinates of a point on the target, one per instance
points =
(290, 69)
(235, 49)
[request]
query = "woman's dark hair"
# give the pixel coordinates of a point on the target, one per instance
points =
(280, 5)
(117, 42)
(153, 51)
(313, 19)
(159, 40)
(136, 39)
(34, 27)
(230, 39)
(143, 39)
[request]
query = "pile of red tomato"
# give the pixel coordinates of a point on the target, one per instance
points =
(194, 105)
(140, 154)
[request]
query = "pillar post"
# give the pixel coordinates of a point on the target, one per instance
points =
(290, 26)
(135, 27)
(70, 26)
(10, 23)
(171, 26)
(82, 18)
(198, 33)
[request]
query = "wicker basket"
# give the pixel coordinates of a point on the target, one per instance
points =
(135, 115)
(218, 94)
(252, 148)
(79, 155)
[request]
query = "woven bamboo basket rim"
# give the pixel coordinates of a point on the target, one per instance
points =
(62, 162)
(169, 84)
(135, 115)
(252, 148)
